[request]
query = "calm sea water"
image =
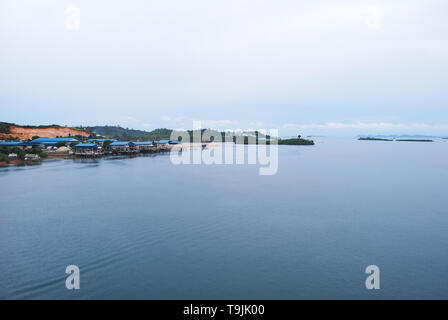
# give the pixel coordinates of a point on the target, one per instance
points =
(142, 228)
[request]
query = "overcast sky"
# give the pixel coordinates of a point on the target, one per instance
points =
(311, 67)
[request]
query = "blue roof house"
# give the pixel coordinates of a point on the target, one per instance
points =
(87, 150)
(86, 146)
(122, 144)
(101, 140)
(144, 143)
(12, 144)
(123, 147)
(146, 146)
(167, 142)
(56, 140)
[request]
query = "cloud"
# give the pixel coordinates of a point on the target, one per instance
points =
(227, 61)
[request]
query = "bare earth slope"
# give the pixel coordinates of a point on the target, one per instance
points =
(25, 133)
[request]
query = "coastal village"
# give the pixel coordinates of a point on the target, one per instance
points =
(68, 147)
(28, 144)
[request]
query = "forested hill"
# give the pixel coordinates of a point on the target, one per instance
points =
(120, 133)
(12, 131)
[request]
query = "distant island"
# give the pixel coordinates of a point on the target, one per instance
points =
(384, 139)
(289, 142)
(375, 139)
(415, 140)
(400, 136)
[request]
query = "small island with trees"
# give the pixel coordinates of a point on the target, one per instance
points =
(299, 141)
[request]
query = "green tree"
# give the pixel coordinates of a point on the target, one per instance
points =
(4, 157)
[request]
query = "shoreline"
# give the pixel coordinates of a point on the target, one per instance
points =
(18, 162)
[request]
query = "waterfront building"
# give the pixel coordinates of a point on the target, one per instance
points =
(49, 143)
(123, 147)
(31, 157)
(87, 150)
(12, 144)
(146, 146)
(164, 145)
(164, 142)
(55, 140)
(100, 141)
(21, 144)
